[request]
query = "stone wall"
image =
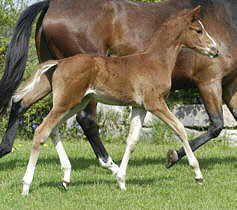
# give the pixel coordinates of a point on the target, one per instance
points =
(193, 117)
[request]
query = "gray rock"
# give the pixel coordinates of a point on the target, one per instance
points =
(71, 121)
(120, 112)
(229, 137)
(229, 120)
(195, 116)
(146, 134)
(116, 120)
(150, 119)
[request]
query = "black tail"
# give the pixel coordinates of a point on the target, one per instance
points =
(17, 53)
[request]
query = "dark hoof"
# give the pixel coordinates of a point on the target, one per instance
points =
(171, 158)
(65, 184)
(4, 151)
(199, 181)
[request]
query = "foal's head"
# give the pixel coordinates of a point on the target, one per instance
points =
(196, 37)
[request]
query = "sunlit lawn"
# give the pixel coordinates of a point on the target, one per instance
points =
(149, 184)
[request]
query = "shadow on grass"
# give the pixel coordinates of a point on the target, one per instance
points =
(77, 163)
(103, 182)
(131, 181)
(83, 163)
(205, 163)
(209, 163)
(12, 164)
(144, 161)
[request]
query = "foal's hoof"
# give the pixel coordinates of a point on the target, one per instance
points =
(25, 193)
(121, 181)
(199, 181)
(171, 158)
(65, 184)
(26, 188)
(114, 169)
(121, 184)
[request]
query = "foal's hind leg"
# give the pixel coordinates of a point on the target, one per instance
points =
(41, 134)
(87, 120)
(40, 91)
(65, 163)
(161, 110)
(137, 119)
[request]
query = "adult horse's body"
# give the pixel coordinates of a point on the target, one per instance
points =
(142, 81)
(67, 27)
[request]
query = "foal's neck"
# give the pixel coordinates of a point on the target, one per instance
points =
(167, 43)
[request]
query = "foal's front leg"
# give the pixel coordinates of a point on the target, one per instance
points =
(137, 120)
(161, 110)
(212, 97)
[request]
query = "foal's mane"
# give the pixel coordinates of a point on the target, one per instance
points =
(170, 26)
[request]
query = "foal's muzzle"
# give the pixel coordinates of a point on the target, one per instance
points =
(217, 54)
(214, 52)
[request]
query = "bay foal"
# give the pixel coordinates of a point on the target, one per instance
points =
(142, 81)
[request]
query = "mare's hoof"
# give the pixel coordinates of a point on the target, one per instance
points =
(65, 184)
(199, 181)
(4, 151)
(171, 158)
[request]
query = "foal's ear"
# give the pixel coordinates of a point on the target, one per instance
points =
(194, 13)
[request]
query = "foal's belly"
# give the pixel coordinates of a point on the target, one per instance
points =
(110, 99)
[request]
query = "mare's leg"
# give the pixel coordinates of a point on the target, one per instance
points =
(137, 119)
(87, 120)
(65, 163)
(161, 110)
(212, 97)
(230, 96)
(19, 108)
(41, 134)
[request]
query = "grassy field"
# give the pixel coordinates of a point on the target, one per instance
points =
(149, 184)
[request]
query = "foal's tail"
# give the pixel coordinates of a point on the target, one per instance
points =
(33, 80)
(17, 53)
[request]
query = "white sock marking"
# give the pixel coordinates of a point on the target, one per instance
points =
(137, 119)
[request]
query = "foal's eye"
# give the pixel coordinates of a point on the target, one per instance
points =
(199, 31)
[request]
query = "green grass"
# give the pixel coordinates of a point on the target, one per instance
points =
(149, 184)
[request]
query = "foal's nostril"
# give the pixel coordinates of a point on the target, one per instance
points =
(217, 54)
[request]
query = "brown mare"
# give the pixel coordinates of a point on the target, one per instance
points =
(109, 27)
(142, 81)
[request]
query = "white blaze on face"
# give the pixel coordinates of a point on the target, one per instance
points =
(208, 35)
